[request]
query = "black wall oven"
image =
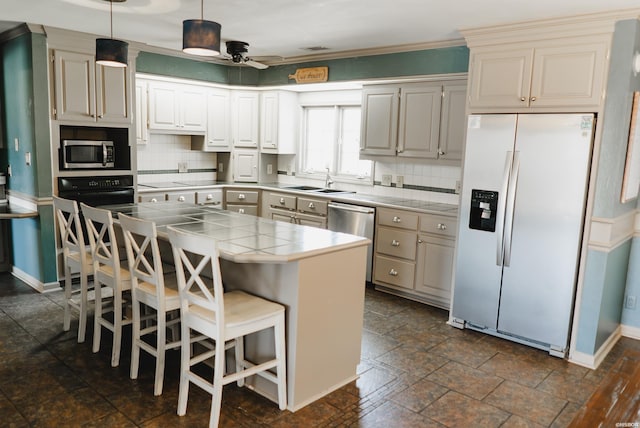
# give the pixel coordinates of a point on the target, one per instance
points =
(96, 191)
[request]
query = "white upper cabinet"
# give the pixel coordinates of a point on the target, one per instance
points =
(279, 117)
(87, 92)
(417, 120)
(245, 118)
(245, 165)
(562, 73)
(177, 108)
(142, 126)
(218, 136)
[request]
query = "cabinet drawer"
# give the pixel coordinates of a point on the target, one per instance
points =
(209, 197)
(151, 197)
(439, 225)
(401, 219)
(189, 197)
(312, 206)
(393, 271)
(282, 201)
(396, 243)
(243, 209)
(242, 196)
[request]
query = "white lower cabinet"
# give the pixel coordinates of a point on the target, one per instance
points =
(414, 255)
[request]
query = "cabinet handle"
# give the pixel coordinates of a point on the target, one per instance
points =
(395, 243)
(153, 200)
(533, 98)
(420, 241)
(281, 201)
(100, 116)
(292, 219)
(523, 99)
(209, 197)
(393, 272)
(311, 205)
(396, 219)
(240, 210)
(181, 199)
(241, 196)
(441, 153)
(442, 226)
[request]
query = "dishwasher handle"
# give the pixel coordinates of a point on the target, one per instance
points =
(354, 208)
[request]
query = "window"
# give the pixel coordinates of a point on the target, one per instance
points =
(332, 140)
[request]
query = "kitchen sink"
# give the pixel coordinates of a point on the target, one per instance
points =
(312, 189)
(332, 191)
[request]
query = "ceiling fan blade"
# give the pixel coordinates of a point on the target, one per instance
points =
(255, 64)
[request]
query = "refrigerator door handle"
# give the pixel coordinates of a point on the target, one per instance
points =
(500, 214)
(511, 202)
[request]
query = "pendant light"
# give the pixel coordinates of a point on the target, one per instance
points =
(201, 37)
(112, 52)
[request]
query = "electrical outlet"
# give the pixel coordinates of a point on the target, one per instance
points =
(386, 180)
(458, 187)
(269, 169)
(289, 169)
(630, 302)
(183, 167)
(400, 181)
(220, 168)
(27, 158)
(9, 170)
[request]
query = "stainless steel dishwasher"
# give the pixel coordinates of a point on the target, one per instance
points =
(356, 220)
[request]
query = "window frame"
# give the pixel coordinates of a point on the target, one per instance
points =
(321, 175)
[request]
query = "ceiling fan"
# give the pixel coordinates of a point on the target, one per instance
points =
(237, 53)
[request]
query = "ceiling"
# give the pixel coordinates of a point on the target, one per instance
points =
(283, 30)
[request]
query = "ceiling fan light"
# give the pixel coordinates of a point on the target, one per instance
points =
(111, 52)
(201, 37)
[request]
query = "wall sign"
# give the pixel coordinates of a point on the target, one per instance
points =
(631, 178)
(311, 75)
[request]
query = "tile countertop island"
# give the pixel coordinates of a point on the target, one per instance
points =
(318, 275)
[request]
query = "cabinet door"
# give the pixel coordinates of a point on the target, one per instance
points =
(500, 78)
(112, 86)
(218, 123)
(379, 126)
(419, 122)
(245, 119)
(568, 75)
(193, 108)
(141, 122)
(269, 121)
(246, 165)
(453, 122)
(434, 267)
(163, 106)
(75, 86)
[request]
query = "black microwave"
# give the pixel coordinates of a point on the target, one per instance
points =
(87, 154)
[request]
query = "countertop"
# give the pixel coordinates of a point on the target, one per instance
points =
(242, 238)
(8, 212)
(348, 198)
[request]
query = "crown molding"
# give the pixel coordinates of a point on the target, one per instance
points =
(77, 41)
(552, 28)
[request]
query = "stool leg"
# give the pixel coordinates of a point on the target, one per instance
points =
(161, 335)
(117, 327)
(281, 353)
(185, 368)
(218, 374)
(135, 340)
(67, 296)
(97, 324)
(82, 326)
(239, 352)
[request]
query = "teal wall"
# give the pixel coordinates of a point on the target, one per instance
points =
(425, 62)
(25, 93)
(606, 272)
(631, 317)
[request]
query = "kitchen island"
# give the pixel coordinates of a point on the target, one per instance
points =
(318, 275)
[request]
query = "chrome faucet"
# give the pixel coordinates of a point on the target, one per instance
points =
(328, 181)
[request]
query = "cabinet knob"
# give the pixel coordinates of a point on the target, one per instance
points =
(393, 272)
(209, 197)
(311, 205)
(292, 219)
(241, 210)
(241, 196)
(533, 98)
(442, 226)
(396, 219)
(100, 116)
(395, 243)
(420, 241)
(523, 99)
(441, 153)
(181, 199)
(281, 201)
(153, 200)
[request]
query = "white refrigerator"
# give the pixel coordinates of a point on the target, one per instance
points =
(522, 206)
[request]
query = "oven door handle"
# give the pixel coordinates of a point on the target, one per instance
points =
(104, 154)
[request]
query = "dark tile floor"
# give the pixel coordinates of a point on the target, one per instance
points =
(416, 371)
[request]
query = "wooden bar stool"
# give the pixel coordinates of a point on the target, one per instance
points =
(76, 258)
(111, 279)
(223, 317)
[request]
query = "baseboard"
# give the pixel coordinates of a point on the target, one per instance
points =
(593, 361)
(34, 283)
(630, 332)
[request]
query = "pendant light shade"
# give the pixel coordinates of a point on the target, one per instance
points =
(112, 52)
(200, 37)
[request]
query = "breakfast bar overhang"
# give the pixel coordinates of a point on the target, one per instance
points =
(318, 275)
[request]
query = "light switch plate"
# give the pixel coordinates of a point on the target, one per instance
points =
(458, 187)
(386, 180)
(183, 167)
(400, 181)
(269, 169)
